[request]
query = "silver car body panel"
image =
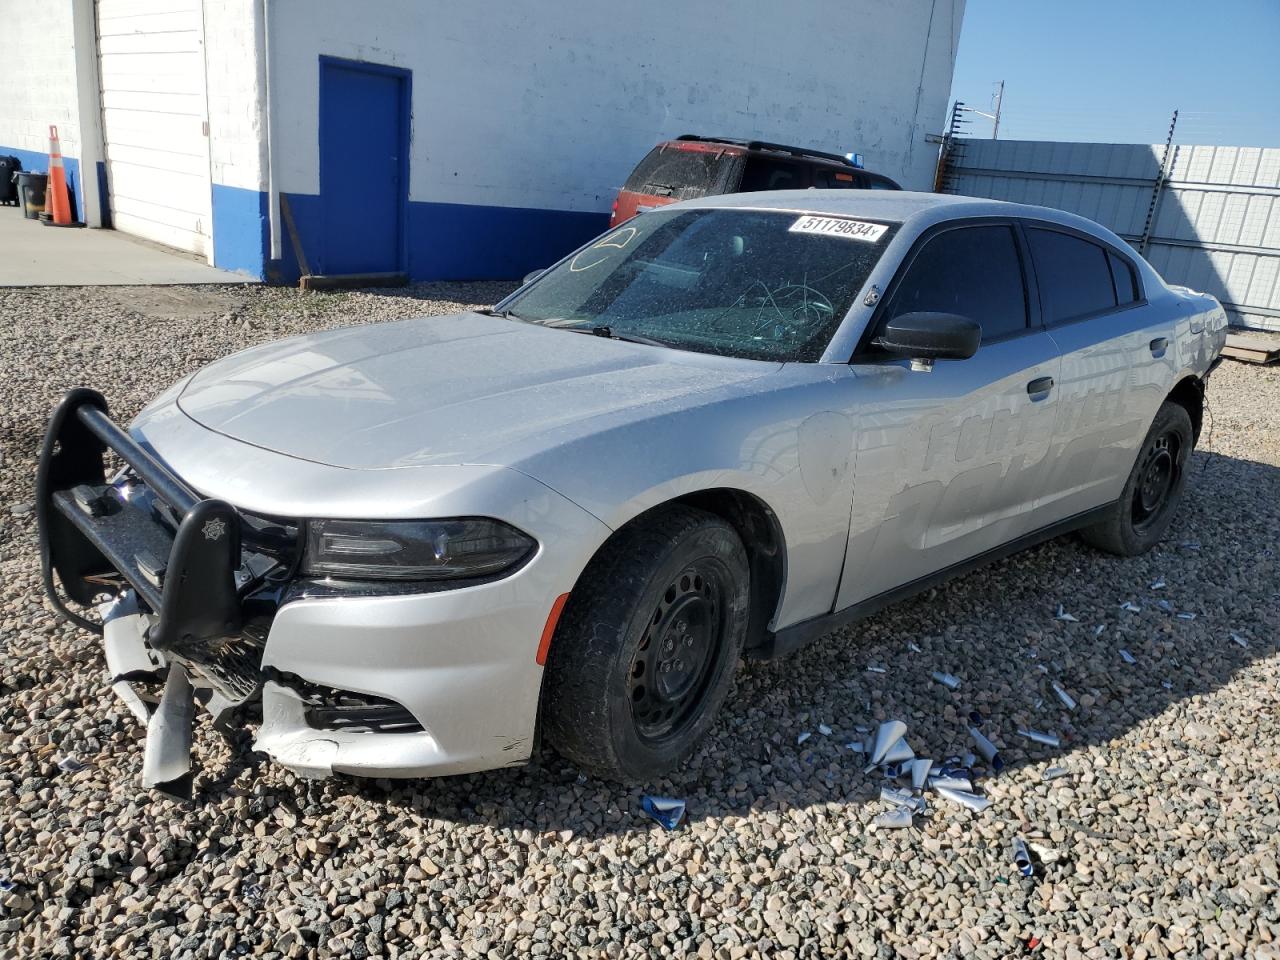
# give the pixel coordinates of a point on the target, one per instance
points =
(870, 468)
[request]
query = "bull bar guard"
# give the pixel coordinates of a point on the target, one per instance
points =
(87, 537)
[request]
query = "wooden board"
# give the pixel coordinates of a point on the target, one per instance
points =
(1251, 349)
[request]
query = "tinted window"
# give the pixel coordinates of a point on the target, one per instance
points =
(766, 173)
(742, 283)
(972, 271)
(883, 183)
(680, 173)
(1073, 274)
(1123, 276)
(827, 179)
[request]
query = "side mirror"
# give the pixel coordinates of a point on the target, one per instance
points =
(926, 337)
(532, 275)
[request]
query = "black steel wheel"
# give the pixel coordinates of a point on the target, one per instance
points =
(1146, 506)
(645, 651)
(678, 651)
(1159, 470)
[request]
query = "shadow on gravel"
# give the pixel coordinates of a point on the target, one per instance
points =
(994, 629)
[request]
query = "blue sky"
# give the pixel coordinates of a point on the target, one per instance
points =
(1115, 70)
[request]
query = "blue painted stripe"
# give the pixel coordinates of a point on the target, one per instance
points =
(241, 235)
(39, 162)
(453, 241)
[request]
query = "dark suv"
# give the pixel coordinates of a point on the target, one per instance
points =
(693, 166)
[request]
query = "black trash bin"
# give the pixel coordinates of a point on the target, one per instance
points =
(9, 166)
(31, 189)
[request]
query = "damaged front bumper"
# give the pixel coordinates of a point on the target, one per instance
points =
(207, 608)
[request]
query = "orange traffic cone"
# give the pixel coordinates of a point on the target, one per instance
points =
(58, 202)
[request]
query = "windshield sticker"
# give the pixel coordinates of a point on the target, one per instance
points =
(839, 227)
(600, 251)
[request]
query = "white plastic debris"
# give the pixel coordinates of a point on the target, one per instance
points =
(824, 730)
(902, 798)
(973, 801)
(1039, 736)
(1064, 616)
(1100, 629)
(803, 737)
(1126, 656)
(895, 819)
(1158, 584)
(1165, 605)
(1038, 704)
(900, 752)
(69, 764)
(1186, 615)
(875, 668)
(948, 680)
(1055, 773)
(920, 773)
(914, 647)
(1021, 858)
(1166, 684)
(1130, 606)
(1240, 641)
(952, 782)
(986, 749)
(856, 747)
(1068, 701)
(890, 732)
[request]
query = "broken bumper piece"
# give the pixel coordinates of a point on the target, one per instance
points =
(289, 739)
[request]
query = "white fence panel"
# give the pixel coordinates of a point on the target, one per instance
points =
(1216, 221)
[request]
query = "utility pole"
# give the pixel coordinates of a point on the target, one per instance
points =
(995, 127)
(993, 117)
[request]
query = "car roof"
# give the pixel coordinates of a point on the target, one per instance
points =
(897, 206)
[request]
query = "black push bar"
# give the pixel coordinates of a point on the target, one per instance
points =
(91, 536)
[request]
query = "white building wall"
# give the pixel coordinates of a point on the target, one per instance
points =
(575, 93)
(38, 84)
(235, 66)
(37, 76)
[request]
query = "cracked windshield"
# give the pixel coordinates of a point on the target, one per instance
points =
(764, 285)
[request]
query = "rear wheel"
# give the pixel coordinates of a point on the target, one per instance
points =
(645, 652)
(1151, 495)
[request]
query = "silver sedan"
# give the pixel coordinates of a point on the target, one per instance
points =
(720, 430)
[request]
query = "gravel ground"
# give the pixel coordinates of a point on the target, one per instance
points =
(1161, 842)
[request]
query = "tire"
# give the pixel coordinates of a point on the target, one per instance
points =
(672, 591)
(1139, 518)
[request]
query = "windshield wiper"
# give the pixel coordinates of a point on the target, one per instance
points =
(504, 314)
(611, 334)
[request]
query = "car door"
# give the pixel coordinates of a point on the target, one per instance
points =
(949, 463)
(1117, 365)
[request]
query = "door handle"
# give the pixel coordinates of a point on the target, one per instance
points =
(1158, 346)
(1039, 388)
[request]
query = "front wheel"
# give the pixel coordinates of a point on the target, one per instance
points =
(645, 652)
(1150, 497)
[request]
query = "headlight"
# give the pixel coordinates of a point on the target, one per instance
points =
(413, 549)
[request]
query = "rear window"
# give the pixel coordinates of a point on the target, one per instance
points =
(670, 171)
(1073, 274)
(1126, 282)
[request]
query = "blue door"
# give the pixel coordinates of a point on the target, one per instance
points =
(364, 164)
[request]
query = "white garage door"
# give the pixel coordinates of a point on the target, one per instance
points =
(154, 120)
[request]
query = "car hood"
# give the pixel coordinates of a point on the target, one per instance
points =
(464, 388)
